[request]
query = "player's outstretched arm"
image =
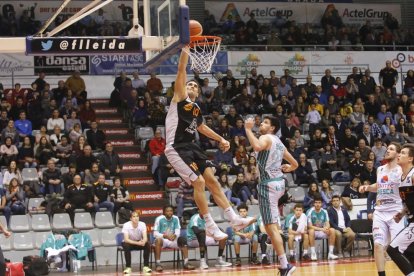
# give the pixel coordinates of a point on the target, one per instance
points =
(258, 144)
(293, 164)
(180, 91)
(206, 131)
(368, 188)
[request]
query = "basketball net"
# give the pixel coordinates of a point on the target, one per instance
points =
(202, 51)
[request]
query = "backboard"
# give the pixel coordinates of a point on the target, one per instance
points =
(166, 27)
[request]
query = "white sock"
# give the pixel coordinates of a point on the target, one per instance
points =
(313, 250)
(411, 274)
(291, 252)
(158, 261)
(264, 255)
(202, 259)
(230, 214)
(305, 251)
(283, 261)
(331, 249)
(185, 260)
(209, 220)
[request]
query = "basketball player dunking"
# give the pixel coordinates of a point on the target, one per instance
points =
(270, 154)
(188, 159)
(388, 204)
(401, 249)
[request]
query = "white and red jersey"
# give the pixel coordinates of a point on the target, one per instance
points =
(388, 196)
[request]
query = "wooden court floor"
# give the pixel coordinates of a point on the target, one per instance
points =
(348, 267)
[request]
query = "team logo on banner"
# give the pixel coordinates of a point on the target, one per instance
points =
(296, 64)
(247, 64)
(139, 181)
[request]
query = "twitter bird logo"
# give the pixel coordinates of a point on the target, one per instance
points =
(46, 46)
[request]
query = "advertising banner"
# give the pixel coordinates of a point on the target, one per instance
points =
(16, 64)
(43, 10)
(113, 64)
(265, 12)
(61, 65)
(301, 64)
(81, 45)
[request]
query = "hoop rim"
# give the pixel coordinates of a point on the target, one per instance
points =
(201, 40)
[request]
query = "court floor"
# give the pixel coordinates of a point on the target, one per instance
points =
(348, 267)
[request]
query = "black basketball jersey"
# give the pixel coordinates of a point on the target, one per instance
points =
(406, 191)
(182, 121)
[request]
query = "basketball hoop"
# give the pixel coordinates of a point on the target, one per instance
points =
(202, 51)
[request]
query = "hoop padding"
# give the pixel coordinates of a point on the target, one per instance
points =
(202, 51)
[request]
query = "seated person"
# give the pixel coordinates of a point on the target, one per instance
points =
(101, 194)
(135, 238)
(341, 222)
(85, 160)
(167, 235)
(243, 191)
(120, 196)
(109, 162)
(64, 151)
(304, 171)
(15, 198)
(8, 151)
(52, 178)
(319, 228)
(26, 154)
(184, 196)
(298, 231)
(196, 237)
(313, 191)
(245, 236)
(78, 196)
(44, 151)
(350, 192)
(92, 175)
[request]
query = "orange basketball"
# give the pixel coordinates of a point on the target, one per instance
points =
(195, 28)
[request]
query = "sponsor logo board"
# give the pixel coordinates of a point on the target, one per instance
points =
(146, 196)
(122, 142)
(139, 181)
(129, 155)
(149, 212)
(139, 168)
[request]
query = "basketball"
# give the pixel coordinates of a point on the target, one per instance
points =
(195, 28)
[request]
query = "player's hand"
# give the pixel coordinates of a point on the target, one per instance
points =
(225, 144)
(249, 123)
(398, 216)
(363, 189)
(286, 168)
(7, 233)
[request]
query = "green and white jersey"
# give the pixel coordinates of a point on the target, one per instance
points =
(196, 221)
(298, 224)
(317, 219)
(269, 161)
(164, 226)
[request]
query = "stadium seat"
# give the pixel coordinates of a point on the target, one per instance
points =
(30, 174)
(216, 214)
(288, 209)
(108, 236)
(64, 170)
(254, 210)
(23, 241)
(145, 133)
(40, 222)
(104, 220)
(162, 129)
(83, 221)
(61, 222)
(5, 243)
(289, 179)
(19, 223)
(313, 164)
(298, 194)
(94, 234)
(34, 203)
(120, 250)
(40, 238)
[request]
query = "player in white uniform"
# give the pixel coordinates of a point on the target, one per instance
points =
(270, 154)
(401, 249)
(384, 228)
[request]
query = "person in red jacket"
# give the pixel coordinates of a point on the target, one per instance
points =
(156, 147)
